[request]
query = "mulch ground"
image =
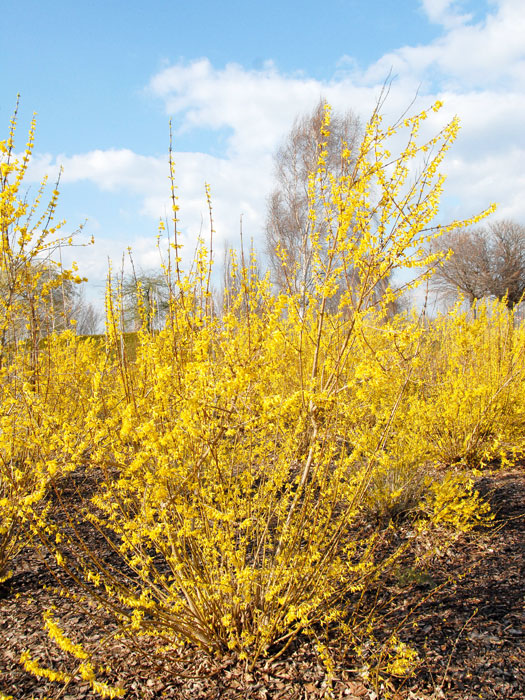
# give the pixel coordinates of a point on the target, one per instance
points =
(470, 633)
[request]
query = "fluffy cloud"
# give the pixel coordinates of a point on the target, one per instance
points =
(445, 12)
(469, 54)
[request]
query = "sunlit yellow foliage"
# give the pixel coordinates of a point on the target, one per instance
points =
(475, 367)
(240, 451)
(252, 463)
(462, 405)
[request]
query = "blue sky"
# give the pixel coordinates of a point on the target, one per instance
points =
(106, 77)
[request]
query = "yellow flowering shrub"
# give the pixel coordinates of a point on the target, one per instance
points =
(240, 451)
(84, 670)
(241, 455)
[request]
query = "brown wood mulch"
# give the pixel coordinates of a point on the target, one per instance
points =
(470, 633)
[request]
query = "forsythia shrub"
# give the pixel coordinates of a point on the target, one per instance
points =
(242, 457)
(239, 451)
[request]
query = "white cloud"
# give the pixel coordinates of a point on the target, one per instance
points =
(253, 103)
(487, 53)
(109, 170)
(445, 12)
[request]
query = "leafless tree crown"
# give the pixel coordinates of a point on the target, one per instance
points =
(485, 262)
(287, 224)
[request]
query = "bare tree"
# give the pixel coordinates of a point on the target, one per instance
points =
(466, 270)
(67, 306)
(88, 318)
(50, 301)
(485, 262)
(288, 226)
(145, 300)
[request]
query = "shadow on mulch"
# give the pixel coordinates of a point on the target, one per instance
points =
(470, 634)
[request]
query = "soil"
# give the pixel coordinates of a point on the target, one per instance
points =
(469, 630)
